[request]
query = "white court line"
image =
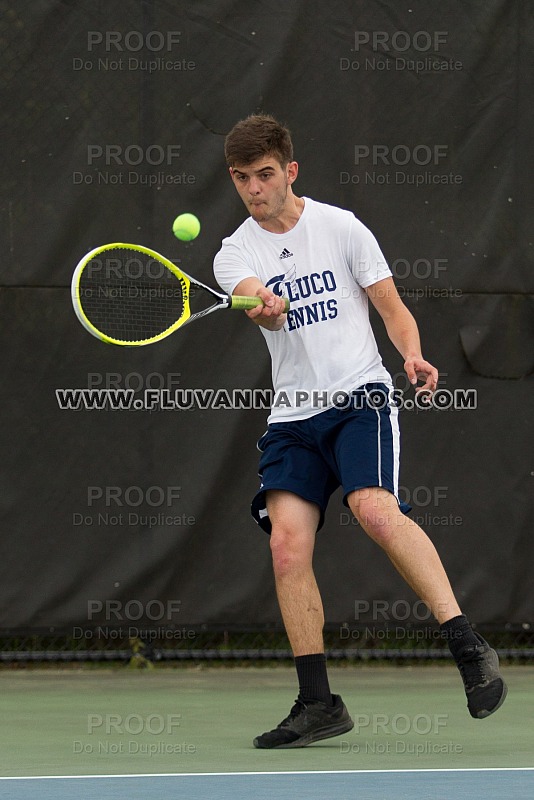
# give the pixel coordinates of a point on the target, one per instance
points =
(282, 772)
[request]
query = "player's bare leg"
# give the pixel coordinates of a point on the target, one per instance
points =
(317, 714)
(416, 559)
(408, 547)
(294, 523)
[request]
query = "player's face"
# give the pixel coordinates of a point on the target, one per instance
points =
(263, 186)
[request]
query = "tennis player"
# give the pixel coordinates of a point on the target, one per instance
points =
(334, 421)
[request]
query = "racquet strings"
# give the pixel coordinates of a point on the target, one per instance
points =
(130, 296)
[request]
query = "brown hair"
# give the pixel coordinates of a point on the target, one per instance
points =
(255, 137)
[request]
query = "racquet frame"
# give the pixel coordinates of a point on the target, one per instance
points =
(236, 302)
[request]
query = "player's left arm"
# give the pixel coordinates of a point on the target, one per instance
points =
(403, 332)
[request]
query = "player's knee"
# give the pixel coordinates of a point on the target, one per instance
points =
(377, 516)
(288, 557)
(378, 527)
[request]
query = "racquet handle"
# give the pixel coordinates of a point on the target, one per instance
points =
(246, 303)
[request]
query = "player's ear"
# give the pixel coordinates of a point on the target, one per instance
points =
(292, 170)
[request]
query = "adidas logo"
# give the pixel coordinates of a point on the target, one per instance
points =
(285, 253)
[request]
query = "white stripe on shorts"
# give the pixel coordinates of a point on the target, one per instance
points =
(378, 446)
(395, 432)
(394, 420)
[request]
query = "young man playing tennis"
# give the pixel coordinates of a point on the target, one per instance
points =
(329, 264)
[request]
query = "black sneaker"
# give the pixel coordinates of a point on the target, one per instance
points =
(484, 687)
(308, 722)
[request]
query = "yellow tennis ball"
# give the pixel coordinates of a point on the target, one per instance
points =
(186, 227)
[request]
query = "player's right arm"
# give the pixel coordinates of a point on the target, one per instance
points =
(271, 315)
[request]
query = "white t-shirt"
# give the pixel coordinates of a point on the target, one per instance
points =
(323, 264)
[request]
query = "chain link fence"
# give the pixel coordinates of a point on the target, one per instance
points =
(208, 645)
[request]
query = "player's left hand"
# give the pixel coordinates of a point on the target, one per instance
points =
(418, 369)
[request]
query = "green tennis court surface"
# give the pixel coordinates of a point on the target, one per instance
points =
(172, 732)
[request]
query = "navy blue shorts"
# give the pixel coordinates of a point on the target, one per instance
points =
(356, 446)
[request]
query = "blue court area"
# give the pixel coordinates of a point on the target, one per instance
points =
(490, 784)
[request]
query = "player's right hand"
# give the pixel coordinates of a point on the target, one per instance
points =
(271, 313)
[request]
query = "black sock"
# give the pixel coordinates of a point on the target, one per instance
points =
(313, 678)
(459, 634)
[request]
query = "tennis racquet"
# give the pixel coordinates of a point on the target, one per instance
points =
(127, 294)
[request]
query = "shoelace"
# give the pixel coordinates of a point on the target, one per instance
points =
(299, 706)
(472, 669)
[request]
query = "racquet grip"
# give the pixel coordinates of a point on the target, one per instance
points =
(240, 302)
